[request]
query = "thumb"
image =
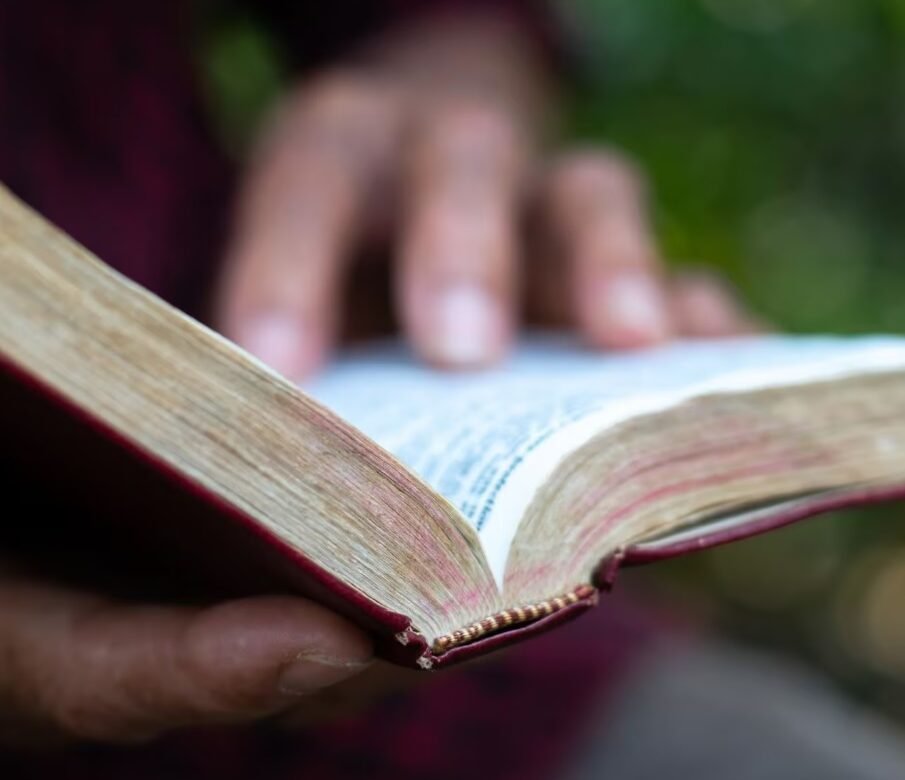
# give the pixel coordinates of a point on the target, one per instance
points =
(78, 666)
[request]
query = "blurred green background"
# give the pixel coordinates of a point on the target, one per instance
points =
(774, 137)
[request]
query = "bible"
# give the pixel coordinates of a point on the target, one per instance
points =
(448, 514)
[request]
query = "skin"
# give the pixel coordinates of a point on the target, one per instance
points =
(427, 146)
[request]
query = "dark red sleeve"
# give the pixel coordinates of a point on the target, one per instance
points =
(102, 130)
(314, 34)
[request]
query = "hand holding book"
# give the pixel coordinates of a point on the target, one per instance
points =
(87, 665)
(90, 666)
(512, 497)
(78, 665)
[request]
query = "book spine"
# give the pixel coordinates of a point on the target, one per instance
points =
(515, 616)
(586, 599)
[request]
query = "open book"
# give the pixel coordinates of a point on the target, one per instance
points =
(448, 514)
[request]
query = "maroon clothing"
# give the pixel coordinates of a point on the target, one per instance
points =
(101, 130)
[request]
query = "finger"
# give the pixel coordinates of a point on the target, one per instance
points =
(302, 212)
(352, 696)
(704, 307)
(598, 221)
(77, 666)
(456, 278)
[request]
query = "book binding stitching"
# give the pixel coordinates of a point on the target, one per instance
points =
(510, 617)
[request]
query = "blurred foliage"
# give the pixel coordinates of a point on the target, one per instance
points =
(242, 71)
(774, 137)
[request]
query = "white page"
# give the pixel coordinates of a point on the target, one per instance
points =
(487, 440)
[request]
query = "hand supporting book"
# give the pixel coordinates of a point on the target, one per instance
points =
(80, 664)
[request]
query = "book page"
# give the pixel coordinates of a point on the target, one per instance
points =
(487, 440)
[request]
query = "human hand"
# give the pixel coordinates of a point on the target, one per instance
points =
(79, 666)
(431, 150)
(434, 152)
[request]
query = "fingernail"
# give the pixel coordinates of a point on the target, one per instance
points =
(308, 673)
(467, 326)
(279, 341)
(634, 303)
